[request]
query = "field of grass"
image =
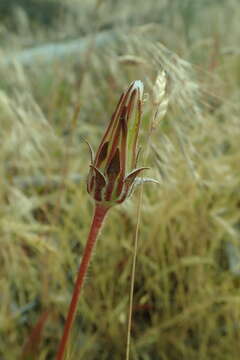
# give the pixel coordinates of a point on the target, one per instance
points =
(187, 284)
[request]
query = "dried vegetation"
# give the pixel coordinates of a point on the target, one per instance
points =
(187, 297)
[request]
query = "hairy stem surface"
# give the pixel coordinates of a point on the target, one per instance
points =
(97, 221)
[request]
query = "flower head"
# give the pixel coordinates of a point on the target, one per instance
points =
(114, 168)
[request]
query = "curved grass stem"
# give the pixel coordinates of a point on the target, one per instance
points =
(97, 221)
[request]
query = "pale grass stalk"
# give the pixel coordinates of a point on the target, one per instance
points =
(133, 272)
(160, 104)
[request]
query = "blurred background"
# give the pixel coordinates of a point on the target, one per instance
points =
(63, 66)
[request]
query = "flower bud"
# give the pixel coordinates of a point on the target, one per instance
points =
(113, 169)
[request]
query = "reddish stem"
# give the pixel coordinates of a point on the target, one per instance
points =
(97, 221)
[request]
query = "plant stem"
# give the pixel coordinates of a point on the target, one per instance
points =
(136, 240)
(133, 272)
(97, 221)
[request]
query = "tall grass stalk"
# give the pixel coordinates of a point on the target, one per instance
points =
(134, 261)
(160, 104)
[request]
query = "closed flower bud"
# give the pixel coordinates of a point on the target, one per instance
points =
(113, 169)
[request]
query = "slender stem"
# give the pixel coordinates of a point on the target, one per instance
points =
(133, 272)
(136, 240)
(97, 222)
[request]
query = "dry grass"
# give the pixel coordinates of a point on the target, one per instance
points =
(187, 298)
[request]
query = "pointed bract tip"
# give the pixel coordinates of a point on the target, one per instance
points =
(137, 84)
